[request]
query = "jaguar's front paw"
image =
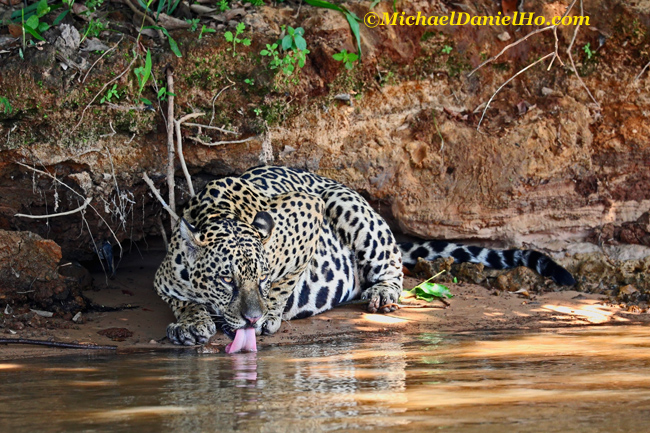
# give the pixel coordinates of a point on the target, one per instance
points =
(189, 334)
(382, 298)
(271, 325)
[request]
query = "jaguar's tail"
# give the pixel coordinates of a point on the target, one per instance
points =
(497, 259)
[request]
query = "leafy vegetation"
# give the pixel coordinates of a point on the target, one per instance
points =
(348, 59)
(294, 47)
(588, 51)
(235, 40)
(143, 73)
(428, 291)
(111, 93)
(7, 108)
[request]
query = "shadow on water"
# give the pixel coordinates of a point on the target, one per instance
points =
(595, 380)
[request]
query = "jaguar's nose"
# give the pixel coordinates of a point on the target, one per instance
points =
(250, 320)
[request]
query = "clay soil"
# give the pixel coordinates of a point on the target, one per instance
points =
(140, 317)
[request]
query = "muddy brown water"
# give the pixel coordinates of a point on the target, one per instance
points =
(577, 380)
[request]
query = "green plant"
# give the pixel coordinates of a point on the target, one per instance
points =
(427, 291)
(110, 94)
(256, 2)
(447, 49)
(143, 73)
(588, 51)
(294, 39)
(163, 94)
(249, 81)
(194, 24)
(223, 5)
(205, 29)
(94, 28)
(257, 111)
(295, 51)
(172, 43)
(235, 40)
(33, 25)
(8, 109)
(348, 59)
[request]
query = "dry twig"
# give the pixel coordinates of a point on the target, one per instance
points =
(156, 193)
(179, 148)
(219, 143)
(55, 344)
(70, 212)
(170, 140)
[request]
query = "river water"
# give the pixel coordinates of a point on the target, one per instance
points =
(572, 380)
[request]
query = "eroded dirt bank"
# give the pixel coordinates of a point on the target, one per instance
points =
(550, 168)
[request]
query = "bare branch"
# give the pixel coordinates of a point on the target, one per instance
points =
(170, 140)
(70, 212)
(219, 143)
(75, 192)
(156, 193)
(217, 96)
(181, 157)
(225, 131)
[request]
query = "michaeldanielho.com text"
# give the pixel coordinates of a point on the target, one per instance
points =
(373, 19)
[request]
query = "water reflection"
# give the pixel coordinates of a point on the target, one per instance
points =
(572, 380)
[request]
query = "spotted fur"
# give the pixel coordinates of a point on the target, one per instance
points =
(280, 243)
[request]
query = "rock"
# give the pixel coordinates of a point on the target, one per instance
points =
(29, 268)
(505, 36)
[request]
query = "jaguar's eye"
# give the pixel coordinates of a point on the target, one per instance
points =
(263, 278)
(226, 280)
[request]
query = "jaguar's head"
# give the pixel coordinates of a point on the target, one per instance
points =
(227, 268)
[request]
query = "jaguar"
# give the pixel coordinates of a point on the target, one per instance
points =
(279, 243)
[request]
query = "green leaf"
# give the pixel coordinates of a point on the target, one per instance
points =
(34, 33)
(301, 44)
(339, 56)
(229, 36)
(299, 31)
(42, 27)
(146, 101)
(354, 26)
(427, 289)
(352, 57)
(374, 3)
(174, 46)
(32, 22)
(287, 42)
(265, 53)
(42, 8)
(246, 42)
(240, 28)
(349, 66)
(59, 18)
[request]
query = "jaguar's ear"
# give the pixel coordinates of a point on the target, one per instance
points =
(264, 224)
(189, 236)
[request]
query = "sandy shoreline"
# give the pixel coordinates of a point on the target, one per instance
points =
(473, 308)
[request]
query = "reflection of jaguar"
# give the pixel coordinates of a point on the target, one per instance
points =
(283, 243)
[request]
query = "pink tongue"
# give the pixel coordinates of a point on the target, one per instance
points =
(244, 340)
